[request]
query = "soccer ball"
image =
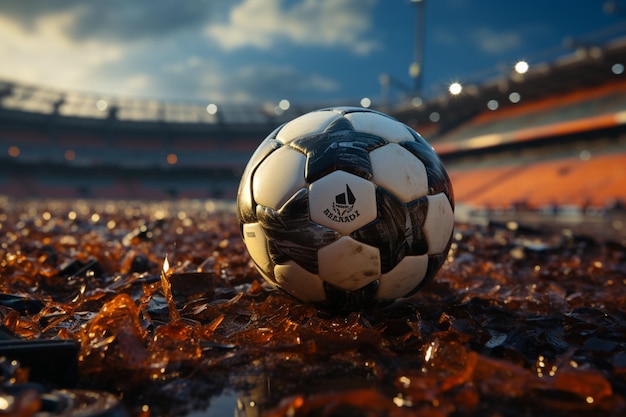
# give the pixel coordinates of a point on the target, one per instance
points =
(345, 208)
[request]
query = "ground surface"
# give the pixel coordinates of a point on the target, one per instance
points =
(518, 322)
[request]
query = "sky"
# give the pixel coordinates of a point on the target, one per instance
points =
(263, 51)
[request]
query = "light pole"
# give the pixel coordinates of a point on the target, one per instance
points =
(416, 68)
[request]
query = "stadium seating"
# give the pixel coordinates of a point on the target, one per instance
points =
(597, 182)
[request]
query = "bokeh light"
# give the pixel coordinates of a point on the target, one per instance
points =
(172, 159)
(102, 105)
(521, 67)
(211, 108)
(455, 88)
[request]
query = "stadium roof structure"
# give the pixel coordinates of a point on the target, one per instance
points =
(22, 98)
(584, 66)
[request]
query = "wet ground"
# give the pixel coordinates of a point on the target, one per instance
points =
(525, 318)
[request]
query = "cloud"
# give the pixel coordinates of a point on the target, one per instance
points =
(61, 45)
(113, 19)
(210, 80)
(265, 24)
(44, 53)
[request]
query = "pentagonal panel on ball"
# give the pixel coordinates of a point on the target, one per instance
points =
(407, 275)
(307, 124)
(342, 201)
(278, 177)
(399, 172)
(299, 282)
(348, 264)
(439, 223)
(379, 125)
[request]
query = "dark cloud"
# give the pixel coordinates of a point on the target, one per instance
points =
(116, 19)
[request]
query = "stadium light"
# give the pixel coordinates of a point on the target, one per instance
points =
(455, 88)
(521, 67)
(284, 104)
(102, 105)
(514, 97)
(211, 108)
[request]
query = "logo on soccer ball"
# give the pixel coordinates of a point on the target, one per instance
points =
(343, 207)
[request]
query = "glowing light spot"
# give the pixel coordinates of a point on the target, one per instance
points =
(521, 67)
(493, 104)
(585, 155)
(284, 104)
(172, 159)
(211, 108)
(405, 381)
(434, 117)
(70, 155)
(514, 97)
(366, 102)
(14, 151)
(429, 352)
(617, 69)
(455, 88)
(102, 105)
(589, 400)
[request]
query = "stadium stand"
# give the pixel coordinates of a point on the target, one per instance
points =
(561, 141)
(598, 181)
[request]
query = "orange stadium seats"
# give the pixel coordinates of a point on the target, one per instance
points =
(598, 181)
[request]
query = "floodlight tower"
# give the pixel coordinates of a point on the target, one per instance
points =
(416, 68)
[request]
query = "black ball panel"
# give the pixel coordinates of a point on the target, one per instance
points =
(344, 150)
(398, 230)
(291, 233)
(339, 299)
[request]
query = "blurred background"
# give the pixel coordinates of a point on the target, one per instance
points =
(524, 101)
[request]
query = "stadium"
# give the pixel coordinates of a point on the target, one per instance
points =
(125, 288)
(561, 122)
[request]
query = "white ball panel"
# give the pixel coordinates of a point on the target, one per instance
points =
(348, 264)
(379, 125)
(306, 125)
(399, 171)
(439, 223)
(403, 278)
(278, 177)
(256, 243)
(357, 210)
(299, 282)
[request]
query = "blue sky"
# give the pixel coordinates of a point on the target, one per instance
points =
(262, 51)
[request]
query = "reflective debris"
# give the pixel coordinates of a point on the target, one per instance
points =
(518, 322)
